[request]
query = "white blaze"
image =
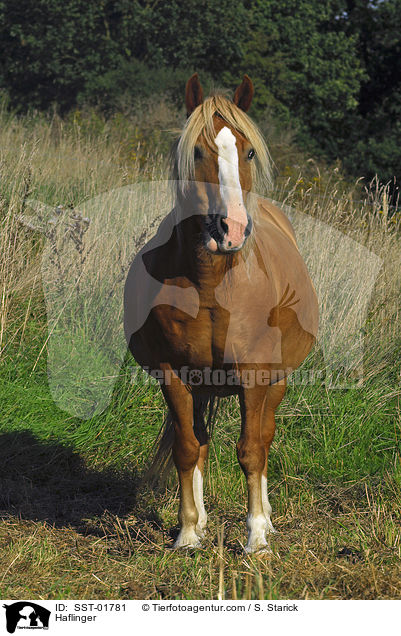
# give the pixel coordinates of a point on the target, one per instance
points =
(230, 186)
(228, 165)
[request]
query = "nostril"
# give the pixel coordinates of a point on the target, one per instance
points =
(224, 230)
(248, 228)
(221, 225)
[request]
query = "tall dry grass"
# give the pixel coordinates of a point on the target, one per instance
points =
(351, 237)
(47, 162)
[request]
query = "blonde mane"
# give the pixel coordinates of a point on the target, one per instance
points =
(201, 122)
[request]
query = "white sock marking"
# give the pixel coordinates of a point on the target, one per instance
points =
(198, 496)
(257, 528)
(267, 509)
(189, 536)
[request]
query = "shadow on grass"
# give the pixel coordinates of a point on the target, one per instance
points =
(50, 482)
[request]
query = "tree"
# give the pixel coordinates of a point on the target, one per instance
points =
(51, 51)
(306, 68)
(375, 144)
(50, 48)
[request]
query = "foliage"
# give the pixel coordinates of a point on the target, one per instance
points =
(133, 83)
(328, 68)
(50, 49)
(305, 67)
(375, 144)
(54, 52)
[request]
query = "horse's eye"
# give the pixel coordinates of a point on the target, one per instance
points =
(197, 153)
(251, 154)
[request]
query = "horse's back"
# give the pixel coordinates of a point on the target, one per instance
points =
(269, 211)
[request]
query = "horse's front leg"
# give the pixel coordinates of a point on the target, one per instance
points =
(274, 395)
(186, 455)
(203, 439)
(251, 454)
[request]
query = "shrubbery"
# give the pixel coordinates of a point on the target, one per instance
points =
(330, 69)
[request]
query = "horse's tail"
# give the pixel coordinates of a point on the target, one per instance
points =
(157, 473)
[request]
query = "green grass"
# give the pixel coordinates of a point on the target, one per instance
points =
(78, 523)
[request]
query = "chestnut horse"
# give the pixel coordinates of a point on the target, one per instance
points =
(219, 303)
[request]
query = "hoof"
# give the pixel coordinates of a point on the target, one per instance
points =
(201, 532)
(258, 549)
(187, 540)
(270, 528)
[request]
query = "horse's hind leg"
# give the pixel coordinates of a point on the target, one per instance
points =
(252, 456)
(274, 395)
(186, 455)
(202, 437)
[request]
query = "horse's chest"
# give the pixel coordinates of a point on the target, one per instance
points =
(223, 326)
(199, 340)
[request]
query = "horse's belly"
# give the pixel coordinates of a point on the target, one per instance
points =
(217, 339)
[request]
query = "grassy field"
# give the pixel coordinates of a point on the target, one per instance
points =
(76, 521)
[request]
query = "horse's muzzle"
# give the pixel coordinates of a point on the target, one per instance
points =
(227, 235)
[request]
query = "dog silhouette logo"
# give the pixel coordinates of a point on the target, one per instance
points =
(26, 615)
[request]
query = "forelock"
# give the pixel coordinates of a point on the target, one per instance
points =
(201, 122)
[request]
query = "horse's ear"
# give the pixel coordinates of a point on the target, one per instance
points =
(193, 93)
(244, 93)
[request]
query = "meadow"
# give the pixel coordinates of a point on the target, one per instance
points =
(76, 519)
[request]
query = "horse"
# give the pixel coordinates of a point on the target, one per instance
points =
(219, 302)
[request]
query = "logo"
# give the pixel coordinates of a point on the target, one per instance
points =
(26, 615)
